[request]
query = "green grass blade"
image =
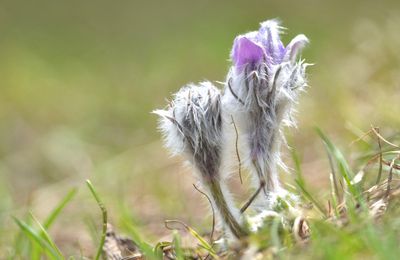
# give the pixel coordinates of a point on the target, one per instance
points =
(52, 217)
(297, 167)
(104, 215)
(146, 248)
(128, 223)
(202, 241)
(19, 245)
(343, 167)
(43, 233)
(178, 246)
(35, 237)
(308, 196)
(23, 246)
(158, 249)
(57, 210)
(301, 185)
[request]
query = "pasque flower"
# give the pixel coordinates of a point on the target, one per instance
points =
(192, 126)
(261, 88)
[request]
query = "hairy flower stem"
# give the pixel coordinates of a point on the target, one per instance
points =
(237, 230)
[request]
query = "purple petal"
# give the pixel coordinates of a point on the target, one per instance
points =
(295, 46)
(246, 51)
(269, 36)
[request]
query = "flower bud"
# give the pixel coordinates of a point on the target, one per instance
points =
(192, 126)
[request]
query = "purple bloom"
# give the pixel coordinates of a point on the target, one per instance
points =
(264, 46)
(246, 51)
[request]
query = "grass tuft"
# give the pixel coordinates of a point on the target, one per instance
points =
(37, 239)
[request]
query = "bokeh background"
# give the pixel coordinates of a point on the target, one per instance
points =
(78, 80)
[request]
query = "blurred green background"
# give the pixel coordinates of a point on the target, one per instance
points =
(78, 80)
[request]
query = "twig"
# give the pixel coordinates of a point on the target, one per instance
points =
(395, 166)
(168, 221)
(361, 137)
(383, 139)
(387, 163)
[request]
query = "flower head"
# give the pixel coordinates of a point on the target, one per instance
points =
(265, 46)
(192, 126)
(261, 89)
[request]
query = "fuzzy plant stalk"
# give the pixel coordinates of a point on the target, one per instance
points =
(192, 126)
(261, 88)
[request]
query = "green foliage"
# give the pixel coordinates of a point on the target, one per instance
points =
(178, 247)
(346, 233)
(57, 210)
(41, 239)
